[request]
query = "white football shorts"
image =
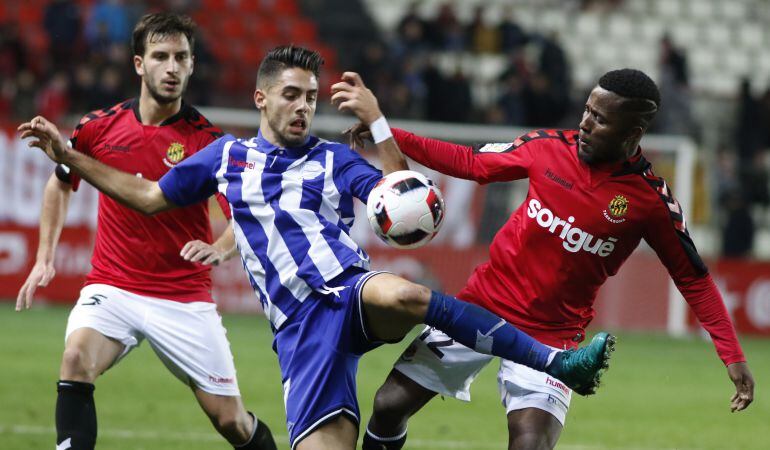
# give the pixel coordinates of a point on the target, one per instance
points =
(436, 362)
(188, 337)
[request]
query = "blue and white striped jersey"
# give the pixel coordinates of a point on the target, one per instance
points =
(292, 211)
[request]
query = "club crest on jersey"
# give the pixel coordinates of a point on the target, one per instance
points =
(174, 154)
(617, 208)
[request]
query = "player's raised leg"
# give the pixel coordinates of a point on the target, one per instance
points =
(240, 427)
(87, 354)
(393, 306)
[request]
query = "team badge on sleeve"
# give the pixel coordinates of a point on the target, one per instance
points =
(496, 147)
(174, 154)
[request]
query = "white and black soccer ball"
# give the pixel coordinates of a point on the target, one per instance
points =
(405, 209)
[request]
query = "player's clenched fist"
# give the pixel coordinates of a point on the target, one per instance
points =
(46, 137)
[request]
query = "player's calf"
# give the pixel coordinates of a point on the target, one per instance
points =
(261, 438)
(75, 416)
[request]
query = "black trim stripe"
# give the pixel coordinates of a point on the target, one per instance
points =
(569, 137)
(660, 187)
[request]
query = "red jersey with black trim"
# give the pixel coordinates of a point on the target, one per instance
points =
(576, 227)
(133, 251)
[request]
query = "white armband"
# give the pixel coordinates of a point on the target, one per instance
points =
(380, 130)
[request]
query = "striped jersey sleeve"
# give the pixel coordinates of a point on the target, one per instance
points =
(194, 179)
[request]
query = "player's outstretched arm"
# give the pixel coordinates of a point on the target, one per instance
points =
(142, 195)
(352, 95)
(52, 214)
(744, 386)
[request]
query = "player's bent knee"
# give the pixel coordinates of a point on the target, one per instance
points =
(76, 367)
(410, 298)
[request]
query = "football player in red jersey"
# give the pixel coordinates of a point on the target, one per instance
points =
(151, 275)
(592, 199)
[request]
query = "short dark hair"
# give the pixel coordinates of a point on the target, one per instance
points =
(155, 25)
(642, 94)
(286, 57)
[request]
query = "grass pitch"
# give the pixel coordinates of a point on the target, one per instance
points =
(659, 394)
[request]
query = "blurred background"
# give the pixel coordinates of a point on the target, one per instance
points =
(468, 71)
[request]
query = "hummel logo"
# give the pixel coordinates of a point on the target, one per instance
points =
(96, 300)
(65, 444)
(559, 180)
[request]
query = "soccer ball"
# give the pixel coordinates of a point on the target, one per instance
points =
(405, 209)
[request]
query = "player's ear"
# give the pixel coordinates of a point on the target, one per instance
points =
(259, 99)
(635, 134)
(139, 65)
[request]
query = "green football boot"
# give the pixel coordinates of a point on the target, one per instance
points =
(582, 369)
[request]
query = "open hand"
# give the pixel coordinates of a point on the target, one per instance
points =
(41, 275)
(201, 252)
(740, 374)
(46, 137)
(352, 95)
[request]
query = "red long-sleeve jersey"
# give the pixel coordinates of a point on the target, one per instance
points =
(576, 227)
(133, 251)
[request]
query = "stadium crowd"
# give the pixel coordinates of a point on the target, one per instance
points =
(82, 62)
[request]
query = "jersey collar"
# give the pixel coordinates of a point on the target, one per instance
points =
(269, 148)
(183, 110)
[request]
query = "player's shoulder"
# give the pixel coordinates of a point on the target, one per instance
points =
(101, 117)
(199, 122)
(556, 138)
(654, 184)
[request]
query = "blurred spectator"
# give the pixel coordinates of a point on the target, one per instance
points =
(512, 36)
(449, 34)
(24, 96)
(748, 136)
(110, 87)
(674, 61)
(511, 102)
(13, 53)
(435, 91)
(675, 115)
(737, 223)
(53, 100)
(413, 33)
(458, 103)
(483, 37)
(61, 20)
(107, 24)
(84, 94)
(375, 66)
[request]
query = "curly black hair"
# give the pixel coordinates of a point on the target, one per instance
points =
(642, 94)
(286, 57)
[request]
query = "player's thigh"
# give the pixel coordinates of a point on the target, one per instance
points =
(399, 398)
(192, 342)
(440, 364)
(225, 407)
(393, 306)
(536, 405)
(87, 354)
(101, 329)
(532, 429)
(339, 433)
